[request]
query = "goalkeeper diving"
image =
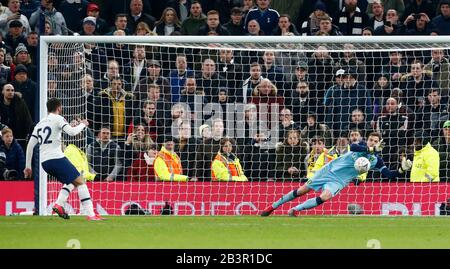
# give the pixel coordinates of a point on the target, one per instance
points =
(338, 174)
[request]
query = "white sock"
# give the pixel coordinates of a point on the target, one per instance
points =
(64, 194)
(85, 198)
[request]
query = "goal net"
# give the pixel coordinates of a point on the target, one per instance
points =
(227, 125)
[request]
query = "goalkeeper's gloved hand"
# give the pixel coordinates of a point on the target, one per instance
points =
(380, 145)
(405, 165)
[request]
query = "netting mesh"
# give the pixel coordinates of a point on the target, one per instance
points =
(289, 109)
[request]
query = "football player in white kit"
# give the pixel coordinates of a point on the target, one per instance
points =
(47, 133)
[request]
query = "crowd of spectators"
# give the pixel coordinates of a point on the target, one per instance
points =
(142, 101)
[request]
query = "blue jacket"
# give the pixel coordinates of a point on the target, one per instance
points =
(343, 102)
(177, 83)
(15, 157)
(268, 19)
(441, 25)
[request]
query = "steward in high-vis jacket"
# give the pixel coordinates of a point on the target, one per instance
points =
(226, 165)
(167, 164)
(425, 166)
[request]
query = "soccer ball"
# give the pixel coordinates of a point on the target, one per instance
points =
(362, 165)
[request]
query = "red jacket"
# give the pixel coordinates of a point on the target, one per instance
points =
(140, 170)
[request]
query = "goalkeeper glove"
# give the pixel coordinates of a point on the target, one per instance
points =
(380, 145)
(405, 165)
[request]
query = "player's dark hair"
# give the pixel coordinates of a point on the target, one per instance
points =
(53, 104)
(375, 134)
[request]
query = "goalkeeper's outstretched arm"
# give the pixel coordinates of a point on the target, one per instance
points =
(392, 174)
(362, 147)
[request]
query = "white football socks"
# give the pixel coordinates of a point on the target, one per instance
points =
(85, 198)
(64, 194)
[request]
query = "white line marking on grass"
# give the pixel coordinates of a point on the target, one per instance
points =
(73, 244)
(373, 244)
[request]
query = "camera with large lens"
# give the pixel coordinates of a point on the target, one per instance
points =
(5, 173)
(10, 174)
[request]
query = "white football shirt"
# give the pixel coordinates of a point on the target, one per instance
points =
(48, 134)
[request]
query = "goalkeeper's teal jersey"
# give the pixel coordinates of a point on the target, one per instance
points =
(343, 168)
(338, 173)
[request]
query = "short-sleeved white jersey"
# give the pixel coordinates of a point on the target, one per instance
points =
(48, 133)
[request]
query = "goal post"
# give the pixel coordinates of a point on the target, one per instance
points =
(43, 80)
(65, 61)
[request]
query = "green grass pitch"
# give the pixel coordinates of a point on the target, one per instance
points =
(225, 232)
